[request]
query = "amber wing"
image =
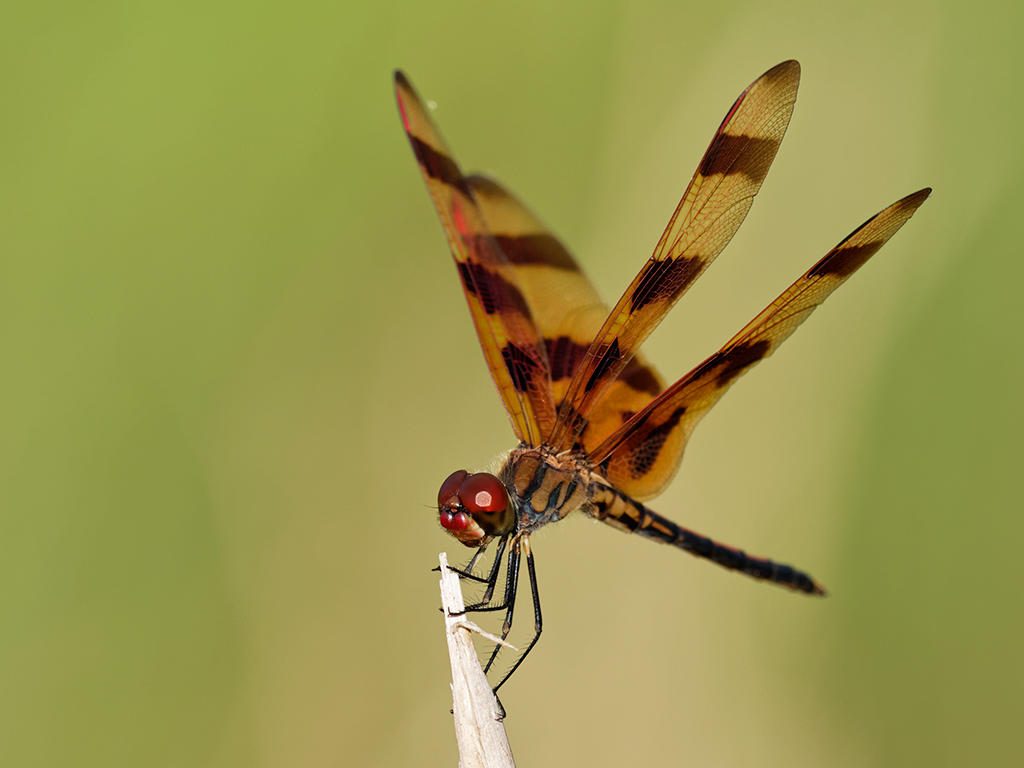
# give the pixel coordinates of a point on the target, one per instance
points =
(712, 209)
(564, 303)
(641, 457)
(511, 342)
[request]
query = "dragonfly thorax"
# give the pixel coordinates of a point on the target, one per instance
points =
(544, 486)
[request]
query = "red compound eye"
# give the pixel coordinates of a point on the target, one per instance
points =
(449, 493)
(474, 507)
(483, 493)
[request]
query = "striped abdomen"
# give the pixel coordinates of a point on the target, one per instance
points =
(622, 512)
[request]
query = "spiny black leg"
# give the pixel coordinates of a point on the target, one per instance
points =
(491, 581)
(485, 606)
(468, 569)
(508, 602)
(466, 572)
(538, 622)
(511, 585)
(492, 577)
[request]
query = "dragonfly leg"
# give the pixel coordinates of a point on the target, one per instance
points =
(538, 622)
(509, 601)
(467, 570)
(519, 547)
(492, 578)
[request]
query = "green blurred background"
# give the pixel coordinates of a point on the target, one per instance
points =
(235, 364)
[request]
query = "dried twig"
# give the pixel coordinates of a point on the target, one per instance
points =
(478, 727)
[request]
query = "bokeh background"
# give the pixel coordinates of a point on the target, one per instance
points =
(235, 364)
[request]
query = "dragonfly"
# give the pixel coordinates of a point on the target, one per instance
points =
(598, 431)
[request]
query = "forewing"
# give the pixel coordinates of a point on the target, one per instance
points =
(642, 456)
(509, 337)
(564, 304)
(712, 209)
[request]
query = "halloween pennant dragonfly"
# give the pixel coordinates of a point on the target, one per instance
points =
(598, 431)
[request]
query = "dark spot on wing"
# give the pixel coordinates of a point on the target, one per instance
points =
(725, 367)
(730, 154)
(845, 260)
(741, 357)
(536, 249)
(665, 279)
(640, 377)
(495, 293)
(438, 165)
(608, 359)
(564, 356)
(643, 456)
(520, 366)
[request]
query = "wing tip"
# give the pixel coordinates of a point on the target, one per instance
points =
(786, 70)
(401, 81)
(405, 95)
(916, 198)
(906, 206)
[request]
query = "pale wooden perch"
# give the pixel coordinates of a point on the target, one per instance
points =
(478, 727)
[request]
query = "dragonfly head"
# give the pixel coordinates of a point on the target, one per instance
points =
(474, 507)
